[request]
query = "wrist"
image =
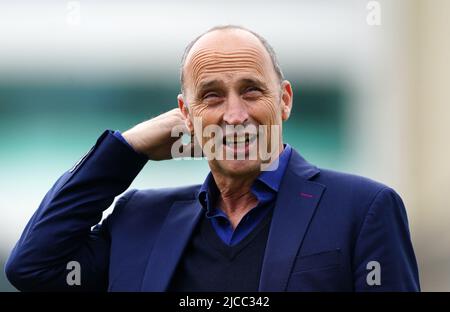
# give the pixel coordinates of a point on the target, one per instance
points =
(133, 141)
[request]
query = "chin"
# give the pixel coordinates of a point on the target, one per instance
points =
(239, 167)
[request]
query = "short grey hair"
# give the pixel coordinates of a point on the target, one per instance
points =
(267, 46)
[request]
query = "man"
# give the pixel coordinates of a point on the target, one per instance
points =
(290, 227)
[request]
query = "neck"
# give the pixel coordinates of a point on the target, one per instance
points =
(236, 198)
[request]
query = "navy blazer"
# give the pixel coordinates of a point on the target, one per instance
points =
(326, 231)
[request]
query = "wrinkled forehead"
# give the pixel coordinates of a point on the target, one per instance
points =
(223, 57)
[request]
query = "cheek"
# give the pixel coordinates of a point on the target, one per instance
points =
(198, 110)
(206, 112)
(207, 115)
(266, 111)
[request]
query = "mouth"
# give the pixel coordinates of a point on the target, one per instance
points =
(239, 144)
(235, 139)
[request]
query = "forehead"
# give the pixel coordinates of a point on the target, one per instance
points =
(227, 53)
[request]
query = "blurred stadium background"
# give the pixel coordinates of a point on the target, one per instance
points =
(369, 99)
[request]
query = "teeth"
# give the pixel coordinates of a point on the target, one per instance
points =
(238, 139)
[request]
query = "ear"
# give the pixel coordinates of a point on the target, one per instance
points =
(286, 100)
(185, 112)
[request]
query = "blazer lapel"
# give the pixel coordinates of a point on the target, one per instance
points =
(173, 237)
(295, 206)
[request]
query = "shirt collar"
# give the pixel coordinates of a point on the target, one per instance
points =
(272, 177)
(269, 178)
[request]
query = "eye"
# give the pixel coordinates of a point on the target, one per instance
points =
(212, 98)
(252, 89)
(210, 95)
(252, 93)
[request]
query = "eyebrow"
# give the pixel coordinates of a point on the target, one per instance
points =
(208, 84)
(252, 81)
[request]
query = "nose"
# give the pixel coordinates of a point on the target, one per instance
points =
(236, 111)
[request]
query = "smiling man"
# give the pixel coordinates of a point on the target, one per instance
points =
(259, 222)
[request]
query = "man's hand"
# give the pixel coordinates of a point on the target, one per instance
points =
(153, 137)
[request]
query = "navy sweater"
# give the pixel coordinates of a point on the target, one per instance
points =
(208, 264)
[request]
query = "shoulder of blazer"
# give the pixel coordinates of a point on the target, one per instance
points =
(136, 203)
(328, 177)
(300, 167)
(188, 192)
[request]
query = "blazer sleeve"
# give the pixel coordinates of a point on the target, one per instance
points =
(384, 258)
(64, 227)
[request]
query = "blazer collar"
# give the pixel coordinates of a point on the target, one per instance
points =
(173, 237)
(293, 212)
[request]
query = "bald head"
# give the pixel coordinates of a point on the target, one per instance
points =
(225, 39)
